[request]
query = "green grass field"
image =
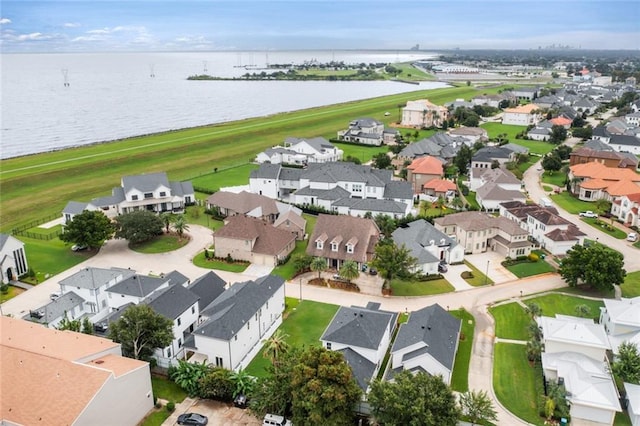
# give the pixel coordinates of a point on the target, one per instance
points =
(556, 178)
(631, 286)
(527, 269)
(552, 304)
(535, 147)
(51, 257)
(232, 176)
(570, 203)
(479, 278)
(460, 375)
(363, 153)
(420, 288)
(615, 232)
(156, 417)
(161, 244)
(11, 293)
(164, 388)
(202, 262)
(91, 171)
(511, 321)
(287, 270)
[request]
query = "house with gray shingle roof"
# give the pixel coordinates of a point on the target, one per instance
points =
(440, 145)
(134, 289)
(427, 245)
(427, 342)
(151, 191)
(50, 315)
(367, 131)
(13, 261)
(363, 336)
(207, 287)
(301, 151)
(235, 324)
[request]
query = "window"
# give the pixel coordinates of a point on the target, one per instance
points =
(134, 197)
(193, 309)
(329, 345)
(319, 245)
(179, 343)
(148, 195)
(349, 248)
(219, 362)
(235, 337)
(334, 246)
(248, 326)
(520, 252)
(168, 352)
(179, 322)
(357, 187)
(163, 194)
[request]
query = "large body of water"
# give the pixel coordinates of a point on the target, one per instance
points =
(113, 95)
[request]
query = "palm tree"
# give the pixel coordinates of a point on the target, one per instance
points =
(319, 265)
(534, 349)
(534, 310)
(425, 206)
(457, 203)
(180, 225)
(275, 345)
(349, 270)
(167, 218)
(583, 311)
(242, 381)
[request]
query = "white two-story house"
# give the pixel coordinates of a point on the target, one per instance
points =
(300, 151)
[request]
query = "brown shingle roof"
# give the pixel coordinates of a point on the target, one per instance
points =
(346, 228)
(243, 202)
(477, 221)
(269, 240)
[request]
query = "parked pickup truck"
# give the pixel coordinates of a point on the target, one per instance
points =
(588, 213)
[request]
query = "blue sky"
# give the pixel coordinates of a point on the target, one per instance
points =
(157, 25)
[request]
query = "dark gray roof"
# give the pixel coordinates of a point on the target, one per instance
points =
(56, 308)
(180, 189)
(112, 317)
(398, 190)
(439, 145)
(540, 131)
(336, 193)
(361, 367)
(372, 205)
(172, 302)
(175, 277)
(490, 153)
(290, 173)
(419, 234)
(137, 285)
(230, 311)
(518, 149)
(365, 122)
(434, 327)
(266, 171)
(207, 288)
(3, 239)
(624, 140)
(146, 182)
(343, 171)
(74, 207)
(601, 131)
(318, 143)
(359, 327)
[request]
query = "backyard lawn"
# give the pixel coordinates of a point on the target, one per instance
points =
(460, 375)
(231, 176)
(555, 303)
(479, 278)
(514, 381)
(420, 288)
(631, 286)
(535, 147)
(599, 225)
(156, 418)
(303, 326)
(160, 244)
(164, 388)
(555, 178)
(511, 321)
(570, 203)
(495, 129)
(363, 153)
(48, 258)
(527, 269)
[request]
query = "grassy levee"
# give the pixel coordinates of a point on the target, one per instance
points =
(38, 185)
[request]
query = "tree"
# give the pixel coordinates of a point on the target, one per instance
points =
(393, 260)
(140, 330)
(422, 399)
(180, 225)
(301, 262)
(463, 159)
(563, 151)
(319, 265)
(381, 161)
(89, 228)
(602, 206)
(583, 133)
(596, 266)
(349, 270)
(386, 224)
(188, 375)
(534, 310)
(167, 219)
(626, 364)
(477, 406)
(138, 226)
(534, 350)
(558, 134)
(551, 162)
(275, 346)
(582, 311)
(243, 382)
(217, 384)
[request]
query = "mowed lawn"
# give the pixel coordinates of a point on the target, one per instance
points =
(631, 286)
(527, 269)
(361, 152)
(420, 288)
(231, 176)
(48, 258)
(570, 203)
(511, 321)
(495, 129)
(303, 327)
(86, 172)
(555, 303)
(460, 375)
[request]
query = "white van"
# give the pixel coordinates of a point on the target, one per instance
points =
(632, 236)
(545, 202)
(275, 420)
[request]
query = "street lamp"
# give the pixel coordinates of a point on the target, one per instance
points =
(486, 275)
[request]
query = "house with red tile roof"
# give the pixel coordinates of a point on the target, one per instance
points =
(522, 115)
(53, 377)
(561, 121)
(253, 240)
(595, 181)
(439, 188)
(626, 208)
(422, 170)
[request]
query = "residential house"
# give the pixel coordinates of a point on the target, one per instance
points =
(292, 222)
(490, 100)
(13, 261)
(625, 143)
(621, 321)
(134, 289)
(252, 240)
(234, 326)
(486, 157)
(544, 225)
(594, 181)
(362, 335)
(525, 93)
(591, 392)
(427, 342)
(539, 133)
(564, 333)
(523, 115)
(153, 192)
(367, 131)
(179, 305)
(54, 377)
(472, 134)
(422, 170)
(323, 185)
(440, 145)
(427, 245)
(207, 287)
(625, 208)
(68, 305)
(244, 203)
(440, 188)
(495, 186)
(609, 158)
(341, 238)
(478, 232)
(633, 119)
(301, 151)
(423, 114)
(633, 403)
(561, 121)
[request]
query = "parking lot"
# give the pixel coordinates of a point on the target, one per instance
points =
(219, 414)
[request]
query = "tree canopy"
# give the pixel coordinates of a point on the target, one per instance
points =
(478, 406)
(627, 363)
(381, 161)
(558, 134)
(463, 159)
(551, 162)
(138, 226)
(413, 400)
(89, 228)
(140, 330)
(393, 260)
(596, 266)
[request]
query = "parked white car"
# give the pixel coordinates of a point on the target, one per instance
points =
(632, 236)
(588, 213)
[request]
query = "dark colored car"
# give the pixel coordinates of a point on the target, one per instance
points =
(241, 401)
(442, 267)
(192, 419)
(373, 271)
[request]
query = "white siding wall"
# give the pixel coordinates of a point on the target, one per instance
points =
(591, 414)
(431, 365)
(555, 347)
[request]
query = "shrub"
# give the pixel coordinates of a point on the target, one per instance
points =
(533, 257)
(229, 259)
(171, 406)
(4, 288)
(467, 275)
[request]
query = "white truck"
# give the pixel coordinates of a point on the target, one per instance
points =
(588, 213)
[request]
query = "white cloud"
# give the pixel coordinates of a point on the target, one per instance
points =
(71, 25)
(4, 21)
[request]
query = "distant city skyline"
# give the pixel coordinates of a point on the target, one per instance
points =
(158, 25)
